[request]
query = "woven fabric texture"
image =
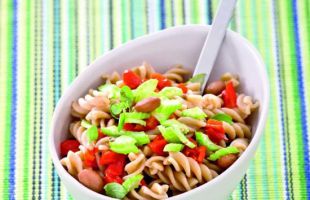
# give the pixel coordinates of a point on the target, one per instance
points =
(44, 45)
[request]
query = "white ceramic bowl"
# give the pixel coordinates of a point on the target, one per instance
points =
(178, 45)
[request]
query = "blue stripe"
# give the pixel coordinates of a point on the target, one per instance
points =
(162, 15)
(14, 105)
(302, 98)
(281, 97)
(209, 11)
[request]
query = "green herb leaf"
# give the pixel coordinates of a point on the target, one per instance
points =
(115, 190)
(203, 140)
(172, 147)
(173, 122)
(223, 117)
(196, 113)
(124, 145)
(199, 78)
(223, 152)
(132, 182)
(166, 108)
(145, 90)
(170, 92)
(140, 137)
(112, 90)
(92, 133)
(86, 124)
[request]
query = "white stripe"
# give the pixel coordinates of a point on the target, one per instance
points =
(151, 15)
(187, 13)
(278, 92)
(203, 12)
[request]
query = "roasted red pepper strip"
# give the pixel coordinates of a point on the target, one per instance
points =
(162, 81)
(230, 96)
(157, 145)
(69, 145)
(131, 79)
(109, 157)
(183, 87)
(90, 158)
(215, 130)
(151, 123)
(197, 153)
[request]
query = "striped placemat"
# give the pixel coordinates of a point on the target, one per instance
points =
(45, 44)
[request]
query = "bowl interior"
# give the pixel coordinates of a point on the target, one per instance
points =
(162, 50)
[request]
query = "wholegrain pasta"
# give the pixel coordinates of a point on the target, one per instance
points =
(150, 151)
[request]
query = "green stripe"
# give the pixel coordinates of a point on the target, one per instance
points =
(125, 21)
(195, 12)
(7, 103)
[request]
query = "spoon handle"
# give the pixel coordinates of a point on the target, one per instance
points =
(214, 39)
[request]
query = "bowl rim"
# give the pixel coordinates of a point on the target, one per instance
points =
(145, 38)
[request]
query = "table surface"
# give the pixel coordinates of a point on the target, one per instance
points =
(44, 45)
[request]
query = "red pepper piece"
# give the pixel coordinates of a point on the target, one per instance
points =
(215, 130)
(157, 145)
(131, 79)
(151, 123)
(112, 179)
(100, 134)
(116, 168)
(90, 158)
(142, 182)
(109, 157)
(162, 81)
(230, 96)
(197, 153)
(183, 87)
(133, 127)
(69, 145)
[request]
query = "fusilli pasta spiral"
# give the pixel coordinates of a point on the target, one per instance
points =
(111, 78)
(176, 74)
(136, 164)
(82, 107)
(189, 166)
(73, 162)
(153, 192)
(211, 101)
(227, 77)
(144, 71)
(155, 164)
(245, 105)
(79, 132)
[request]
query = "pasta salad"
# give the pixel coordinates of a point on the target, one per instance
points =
(147, 135)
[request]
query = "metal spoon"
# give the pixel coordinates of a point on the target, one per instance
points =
(214, 40)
